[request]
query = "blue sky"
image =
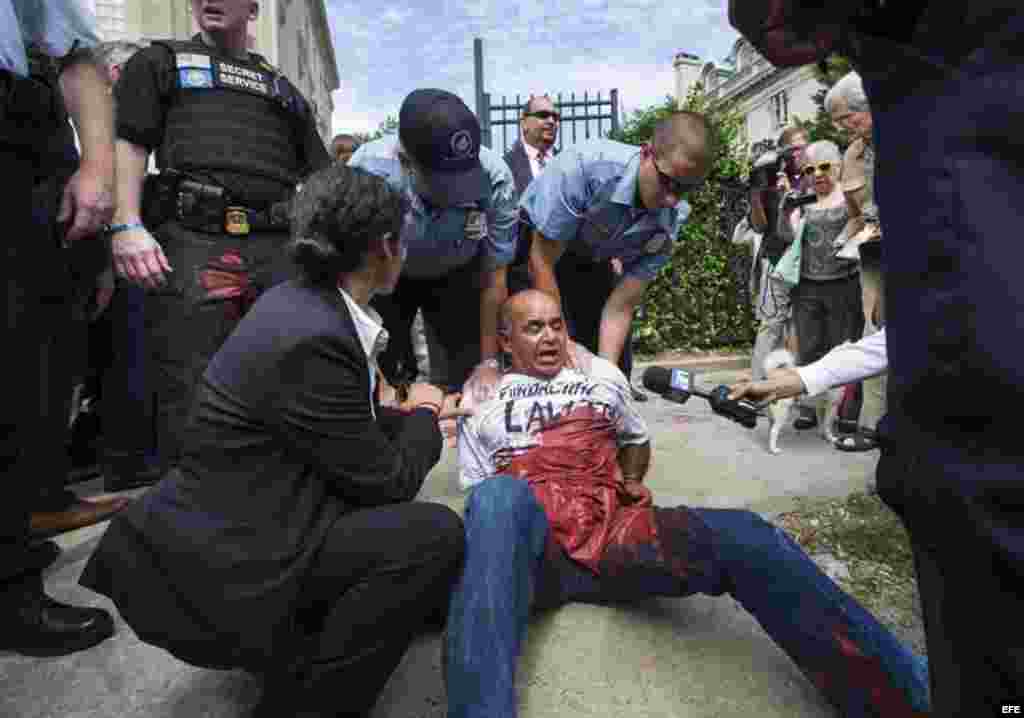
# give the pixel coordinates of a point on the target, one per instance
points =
(386, 50)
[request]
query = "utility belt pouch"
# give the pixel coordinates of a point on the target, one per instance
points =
(159, 198)
(201, 207)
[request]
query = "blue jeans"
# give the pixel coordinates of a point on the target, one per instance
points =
(511, 566)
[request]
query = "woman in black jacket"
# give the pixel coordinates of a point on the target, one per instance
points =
(286, 543)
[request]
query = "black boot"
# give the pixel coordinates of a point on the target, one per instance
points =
(33, 624)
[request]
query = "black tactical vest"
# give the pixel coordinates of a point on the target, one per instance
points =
(236, 120)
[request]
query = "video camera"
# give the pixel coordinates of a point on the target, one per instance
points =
(764, 176)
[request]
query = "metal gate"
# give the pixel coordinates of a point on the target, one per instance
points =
(589, 117)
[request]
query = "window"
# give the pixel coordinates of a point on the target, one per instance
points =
(780, 109)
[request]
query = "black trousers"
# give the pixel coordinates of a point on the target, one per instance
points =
(585, 286)
(216, 279)
(382, 577)
(966, 525)
(451, 307)
(36, 312)
(826, 314)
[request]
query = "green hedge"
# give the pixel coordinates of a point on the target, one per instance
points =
(700, 299)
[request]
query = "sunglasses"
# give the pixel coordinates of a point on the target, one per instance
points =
(675, 185)
(544, 115)
(824, 167)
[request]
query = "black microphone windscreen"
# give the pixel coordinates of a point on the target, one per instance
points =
(657, 379)
(660, 380)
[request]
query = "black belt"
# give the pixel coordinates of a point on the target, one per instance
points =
(238, 220)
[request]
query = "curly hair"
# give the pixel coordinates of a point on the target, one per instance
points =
(335, 215)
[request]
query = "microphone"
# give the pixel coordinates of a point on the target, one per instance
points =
(678, 385)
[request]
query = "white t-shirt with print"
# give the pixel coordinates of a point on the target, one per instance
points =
(522, 406)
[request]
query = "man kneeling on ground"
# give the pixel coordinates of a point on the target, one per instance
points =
(558, 512)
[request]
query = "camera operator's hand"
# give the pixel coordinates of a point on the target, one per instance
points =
(783, 184)
(780, 384)
(139, 258)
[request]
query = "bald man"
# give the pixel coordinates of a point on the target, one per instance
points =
(558, 512)
(601, 200)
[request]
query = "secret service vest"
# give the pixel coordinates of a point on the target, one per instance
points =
(232, 115)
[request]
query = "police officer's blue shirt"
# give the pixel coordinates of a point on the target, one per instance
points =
(54, 26)
(436, 239)
(587, 195)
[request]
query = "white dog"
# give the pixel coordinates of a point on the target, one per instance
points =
(785, 410)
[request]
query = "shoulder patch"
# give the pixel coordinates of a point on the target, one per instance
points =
(193, 77)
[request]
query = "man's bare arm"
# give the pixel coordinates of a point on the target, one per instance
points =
(131, 171)
(88, 201)
(617, 317)
(634, 460)
(544, 255)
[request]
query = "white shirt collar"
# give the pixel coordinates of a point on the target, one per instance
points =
(369, 326)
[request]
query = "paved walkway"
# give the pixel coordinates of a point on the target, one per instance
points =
(698, 657)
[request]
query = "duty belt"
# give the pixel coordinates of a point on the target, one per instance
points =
(221, 216)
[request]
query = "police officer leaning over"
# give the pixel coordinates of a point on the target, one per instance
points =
(232, 139)
(460, 234)
(32, 115)
(602, 199)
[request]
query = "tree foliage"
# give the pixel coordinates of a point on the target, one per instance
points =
(699, 300)
(821, 127)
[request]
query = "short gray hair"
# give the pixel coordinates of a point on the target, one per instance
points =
(116, 52)
(822, 151)
(849, 89)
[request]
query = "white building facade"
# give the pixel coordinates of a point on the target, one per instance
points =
(768, 97)
(292, 34)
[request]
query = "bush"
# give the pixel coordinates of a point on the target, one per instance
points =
(700, 299)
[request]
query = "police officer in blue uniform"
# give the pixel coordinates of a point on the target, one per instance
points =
(946, 86)
(232, 139)
(460, 234)
(32, 118)
(601, 200)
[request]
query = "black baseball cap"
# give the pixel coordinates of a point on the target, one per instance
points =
(443, 136)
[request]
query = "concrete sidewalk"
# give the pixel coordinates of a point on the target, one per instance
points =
(697, 657)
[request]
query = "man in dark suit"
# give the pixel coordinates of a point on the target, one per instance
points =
(945, 82)
(285, 543)
(527, 158)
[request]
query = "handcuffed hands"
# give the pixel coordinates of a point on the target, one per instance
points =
(139, 258)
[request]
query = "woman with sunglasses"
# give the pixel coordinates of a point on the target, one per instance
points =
(827, 300)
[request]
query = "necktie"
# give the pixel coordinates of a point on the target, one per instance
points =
(541, 161)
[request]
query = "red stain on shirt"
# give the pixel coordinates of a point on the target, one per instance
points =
(574, 473)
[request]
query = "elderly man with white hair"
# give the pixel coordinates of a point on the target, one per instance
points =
(826, 301)
(848, 106)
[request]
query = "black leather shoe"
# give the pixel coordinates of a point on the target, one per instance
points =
(36, 625)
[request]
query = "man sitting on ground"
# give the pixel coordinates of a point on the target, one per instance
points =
(558, 512)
